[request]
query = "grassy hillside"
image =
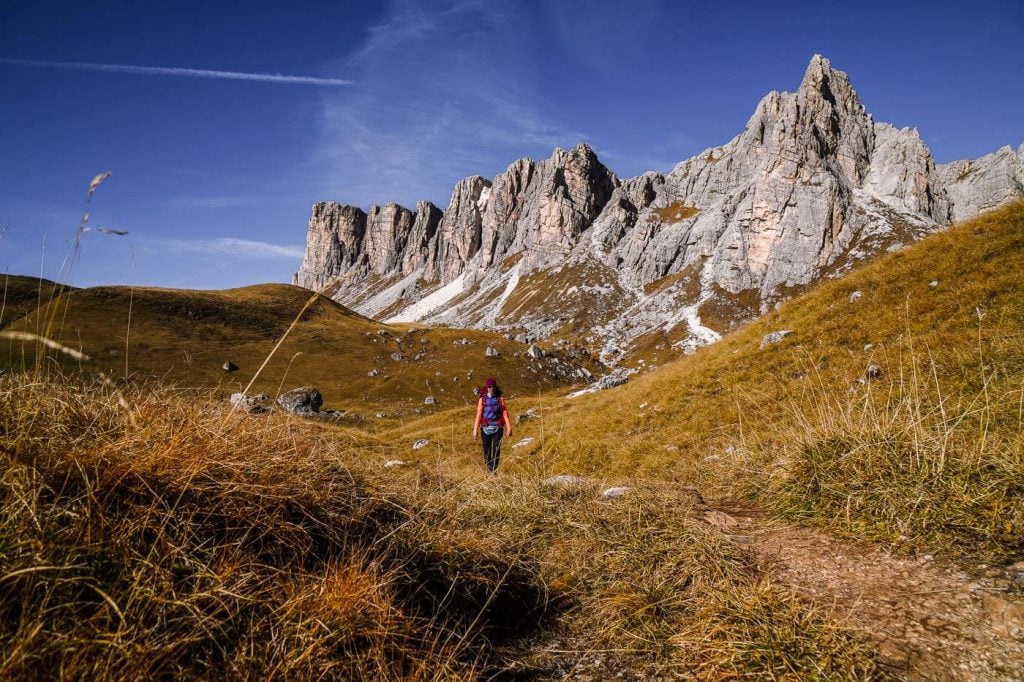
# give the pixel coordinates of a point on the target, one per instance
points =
(928, 454)
(146, 534)
(21, 295)
(184, 337)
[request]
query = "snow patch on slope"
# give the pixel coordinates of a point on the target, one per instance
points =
(386, 298)
(428, 304)
(513, 282)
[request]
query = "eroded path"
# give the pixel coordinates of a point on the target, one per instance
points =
(931, 619)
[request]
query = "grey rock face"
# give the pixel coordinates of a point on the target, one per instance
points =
(387, 232)
(333, 244)
(305, 401)
(424, 230)
(458, 237)
(983, 184)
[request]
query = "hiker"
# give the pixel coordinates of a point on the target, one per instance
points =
(491, 414)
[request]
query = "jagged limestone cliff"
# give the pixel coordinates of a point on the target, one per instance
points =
(562, 246)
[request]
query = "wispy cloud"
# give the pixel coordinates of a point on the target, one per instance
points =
(438, 98)
(231, 246)
(181, 72)
(228, 201)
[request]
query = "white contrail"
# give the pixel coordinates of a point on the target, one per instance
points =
(188, 73)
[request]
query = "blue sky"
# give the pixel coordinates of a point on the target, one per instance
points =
(214, 173)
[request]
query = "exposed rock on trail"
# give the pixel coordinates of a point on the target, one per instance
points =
(931, 620)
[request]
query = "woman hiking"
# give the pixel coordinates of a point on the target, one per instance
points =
(491, 416)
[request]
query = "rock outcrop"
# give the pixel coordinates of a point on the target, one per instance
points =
(983, 184)
(810, 186)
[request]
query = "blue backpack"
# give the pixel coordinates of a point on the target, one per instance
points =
(491, 417)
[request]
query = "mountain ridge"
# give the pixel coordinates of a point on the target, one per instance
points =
(811, 185)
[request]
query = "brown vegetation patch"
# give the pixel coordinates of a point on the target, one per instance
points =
(676, 212)
(725, 311)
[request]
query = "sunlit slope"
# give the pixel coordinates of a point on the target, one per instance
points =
(20, 295)
(185, 337)
(928, 450)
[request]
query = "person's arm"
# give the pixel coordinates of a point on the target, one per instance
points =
(504, 412)
(479, 416)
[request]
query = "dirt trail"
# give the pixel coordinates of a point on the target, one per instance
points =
(931, 619)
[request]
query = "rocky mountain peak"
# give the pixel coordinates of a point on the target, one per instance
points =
(810, 186)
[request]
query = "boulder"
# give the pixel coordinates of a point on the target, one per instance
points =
(614, 491)
(491, 352)
(303, 401)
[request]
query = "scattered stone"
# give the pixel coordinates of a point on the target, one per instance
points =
(616, 378)
(461, 342)
(382, 415)
(720, 520)
(303, 401)
(564, 481)
(531, 413)
(873, 372)
(868, 347)
(393, 463)
(420, 443)
(855, 296)
(397, 357)
(491, 352)
(584, 373)
(373, 372)
(535, 352)
(250, 403)
(614, 491)
(525, 441)
(383, 332)
(934, 283)
(230, 367)
(774, 337)
(430, 400)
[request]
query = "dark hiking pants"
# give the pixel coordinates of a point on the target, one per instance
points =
(492, 449)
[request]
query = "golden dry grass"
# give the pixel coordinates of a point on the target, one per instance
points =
(169, 538)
